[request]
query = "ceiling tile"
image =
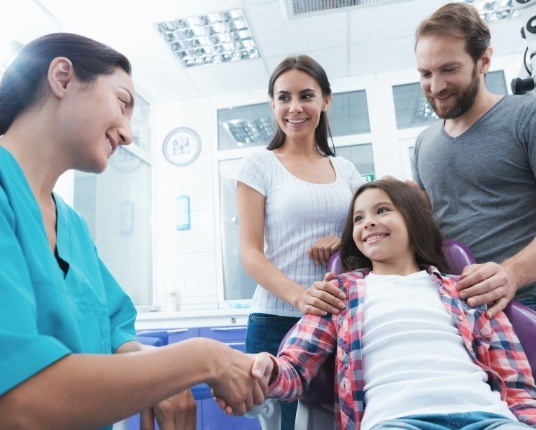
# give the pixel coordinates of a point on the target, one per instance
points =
(230, 77)
(384, 56)
(278, 36)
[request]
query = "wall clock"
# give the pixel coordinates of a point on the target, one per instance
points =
(181, 146)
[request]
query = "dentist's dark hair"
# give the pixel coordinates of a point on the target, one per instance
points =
(312, 68)
(425, 237)
(24, 82)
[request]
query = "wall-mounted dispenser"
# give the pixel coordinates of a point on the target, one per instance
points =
(183, 212)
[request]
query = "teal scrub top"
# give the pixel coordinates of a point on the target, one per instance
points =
(46, 313)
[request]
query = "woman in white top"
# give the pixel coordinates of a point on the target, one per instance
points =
(292, 202)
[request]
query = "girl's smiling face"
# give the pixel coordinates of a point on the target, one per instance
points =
(380, 232)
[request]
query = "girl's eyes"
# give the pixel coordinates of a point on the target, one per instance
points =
(379, 211)
(125, 103)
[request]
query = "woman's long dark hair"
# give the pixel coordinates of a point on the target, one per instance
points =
(23, 81)
(425, 237)
(312, 68)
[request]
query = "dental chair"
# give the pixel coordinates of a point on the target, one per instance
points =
(316, 406)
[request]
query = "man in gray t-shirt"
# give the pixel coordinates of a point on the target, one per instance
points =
(478, 165)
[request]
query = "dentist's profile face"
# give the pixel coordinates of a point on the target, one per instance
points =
(100, 114)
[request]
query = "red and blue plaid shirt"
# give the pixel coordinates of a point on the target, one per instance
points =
(491, 343)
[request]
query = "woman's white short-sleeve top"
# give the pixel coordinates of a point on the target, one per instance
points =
(297, 215)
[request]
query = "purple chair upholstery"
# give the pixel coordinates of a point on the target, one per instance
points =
(523, 320)
(458, 256)
(321, 390)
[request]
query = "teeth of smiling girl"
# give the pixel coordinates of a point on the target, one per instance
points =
(375, 237)
(295, 121)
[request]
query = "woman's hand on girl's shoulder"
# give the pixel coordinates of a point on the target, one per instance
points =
(323, 297)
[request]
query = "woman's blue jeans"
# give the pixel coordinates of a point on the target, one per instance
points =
(264, 333)
(460, 421)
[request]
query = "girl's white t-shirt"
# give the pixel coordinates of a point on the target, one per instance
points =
(414, 358)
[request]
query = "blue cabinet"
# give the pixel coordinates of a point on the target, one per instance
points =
(209, 415)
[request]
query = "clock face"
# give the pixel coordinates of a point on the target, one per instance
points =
(181, 146)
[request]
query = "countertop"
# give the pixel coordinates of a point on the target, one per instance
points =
(197, 318)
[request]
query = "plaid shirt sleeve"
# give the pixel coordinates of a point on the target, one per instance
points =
(306, 348)
(508, 360)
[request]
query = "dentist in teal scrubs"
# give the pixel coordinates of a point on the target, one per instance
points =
(69, 358)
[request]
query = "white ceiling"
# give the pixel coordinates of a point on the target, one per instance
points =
(356, 41)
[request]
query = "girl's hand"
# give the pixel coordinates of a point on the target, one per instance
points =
(321, 250)
(322, 297)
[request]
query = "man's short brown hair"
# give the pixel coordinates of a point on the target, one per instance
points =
(459, 20)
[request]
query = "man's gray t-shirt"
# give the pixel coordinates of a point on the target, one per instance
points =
(482, 183)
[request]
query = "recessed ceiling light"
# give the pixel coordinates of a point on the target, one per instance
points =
(210, 39)
(250, 132)
(494, 10)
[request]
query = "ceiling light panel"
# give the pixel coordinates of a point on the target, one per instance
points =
(210, 39)
(494, 10)
(250, 132)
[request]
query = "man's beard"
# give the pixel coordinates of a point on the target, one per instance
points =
(464, 99)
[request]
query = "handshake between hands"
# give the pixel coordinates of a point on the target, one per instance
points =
(244, 383)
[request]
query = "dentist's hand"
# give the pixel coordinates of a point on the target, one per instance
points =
(234, 381)
(263, 370)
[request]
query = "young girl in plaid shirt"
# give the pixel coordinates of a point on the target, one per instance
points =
(410, 354)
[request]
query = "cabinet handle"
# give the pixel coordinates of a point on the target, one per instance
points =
(177, 330)
(227, 328)
(234, 343)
